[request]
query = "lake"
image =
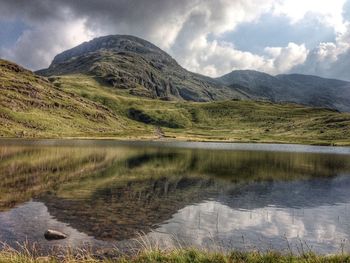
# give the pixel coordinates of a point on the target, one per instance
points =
(108, 194)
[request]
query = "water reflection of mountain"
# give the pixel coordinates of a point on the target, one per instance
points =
(121, 211)
(147, 189)
(114, 192)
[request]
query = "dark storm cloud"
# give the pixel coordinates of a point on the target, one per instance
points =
(32, 10)
(60, 24)
(137, 17)
(107, 15)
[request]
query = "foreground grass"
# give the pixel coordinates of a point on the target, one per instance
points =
(178, 256)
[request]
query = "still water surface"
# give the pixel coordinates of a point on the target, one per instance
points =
(225, 196)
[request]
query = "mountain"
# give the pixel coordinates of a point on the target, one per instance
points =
(140, 68)
(31, 106)
(297, 88)
(131, 63)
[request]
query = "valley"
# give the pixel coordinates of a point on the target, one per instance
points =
(125, 88)
(131, 117)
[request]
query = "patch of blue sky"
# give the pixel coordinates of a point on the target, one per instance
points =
(278, 31)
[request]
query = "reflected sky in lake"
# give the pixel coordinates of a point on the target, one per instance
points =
(240, 223)
(225, 196)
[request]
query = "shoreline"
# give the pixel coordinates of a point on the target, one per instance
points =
(171, 140)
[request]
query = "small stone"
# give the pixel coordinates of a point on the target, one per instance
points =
(54, 235)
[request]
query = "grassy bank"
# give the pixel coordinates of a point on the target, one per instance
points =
(178, 256)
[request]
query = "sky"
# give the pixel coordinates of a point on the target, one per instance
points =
(211, 37)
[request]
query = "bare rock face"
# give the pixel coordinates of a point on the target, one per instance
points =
(54, 235)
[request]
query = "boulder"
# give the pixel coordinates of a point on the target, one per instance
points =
(54, 235)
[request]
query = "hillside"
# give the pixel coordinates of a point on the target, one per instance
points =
(297, 88)
(80, 106)
(235, 120)
(30, 106)
(131, 63)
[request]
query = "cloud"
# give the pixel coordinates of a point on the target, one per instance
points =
(35, 47)
(286, 58)
(215, 59)
(278, 31)
(10, 31)
(196, 52)
(330, 59)
(346, 10)
(328, 12)
(327, 59)
(50, 28)
(190, 30)
(178, 27)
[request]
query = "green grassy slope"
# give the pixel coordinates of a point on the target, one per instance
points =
(79, 106)
(217, 121)
(30, 106)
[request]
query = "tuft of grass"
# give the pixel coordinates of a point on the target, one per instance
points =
(10, 255)
(198, 256)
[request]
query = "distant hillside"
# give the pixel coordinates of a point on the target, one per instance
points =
(131, 63)
(301, 89)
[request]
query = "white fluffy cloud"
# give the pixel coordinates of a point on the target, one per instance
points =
(189, 30)
(196, 52)
(328, 12)
(284, 59)
(215, 59)
(330, 59)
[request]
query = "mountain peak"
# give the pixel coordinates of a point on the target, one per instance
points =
(116, 43)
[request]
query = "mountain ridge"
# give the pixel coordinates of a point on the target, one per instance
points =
(302, 89)
(134, 64)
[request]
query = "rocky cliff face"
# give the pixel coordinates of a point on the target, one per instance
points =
(131, 63)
